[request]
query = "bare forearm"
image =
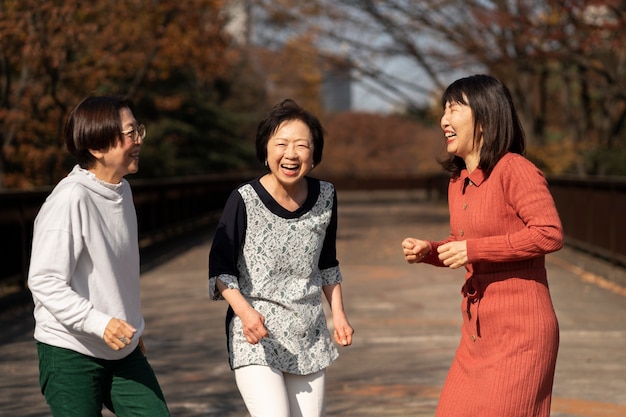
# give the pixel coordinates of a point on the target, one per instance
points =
(343, 330)
(233, 297)
(334, 296)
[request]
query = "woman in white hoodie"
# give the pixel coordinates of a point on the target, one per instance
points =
(84, 273)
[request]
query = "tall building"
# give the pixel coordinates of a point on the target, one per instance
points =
(336, 88)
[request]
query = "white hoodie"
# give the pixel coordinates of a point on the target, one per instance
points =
(84, 267)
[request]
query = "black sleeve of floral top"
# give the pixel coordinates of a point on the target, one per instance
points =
(229, 236)
(328, 257)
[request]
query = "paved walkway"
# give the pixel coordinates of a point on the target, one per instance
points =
(405, 316)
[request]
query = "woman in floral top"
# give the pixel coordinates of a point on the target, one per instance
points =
(272, 256)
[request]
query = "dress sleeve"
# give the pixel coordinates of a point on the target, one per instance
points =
(227, 242)
(526, 190)
(433, 256)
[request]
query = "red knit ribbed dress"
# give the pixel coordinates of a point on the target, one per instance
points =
(504, 365)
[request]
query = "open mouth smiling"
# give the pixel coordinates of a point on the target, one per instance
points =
(290, 167)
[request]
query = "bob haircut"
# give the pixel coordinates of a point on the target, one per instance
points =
(288, 110)
(95, 123)
(494, 112)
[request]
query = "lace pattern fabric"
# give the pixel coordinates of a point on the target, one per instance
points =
(280, 278)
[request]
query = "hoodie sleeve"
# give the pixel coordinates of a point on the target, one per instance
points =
(57, 246)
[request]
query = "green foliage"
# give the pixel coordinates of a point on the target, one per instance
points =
(197, 137)
(604, 161)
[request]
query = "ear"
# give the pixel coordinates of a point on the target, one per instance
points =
(97, 153)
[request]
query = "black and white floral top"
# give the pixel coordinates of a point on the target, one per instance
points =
(279, 260)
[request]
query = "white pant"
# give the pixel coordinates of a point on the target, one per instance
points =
(268, 392)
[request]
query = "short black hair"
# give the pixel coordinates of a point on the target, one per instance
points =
(95, 123)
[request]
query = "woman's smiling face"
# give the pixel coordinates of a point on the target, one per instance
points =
(122, 158)
(458, 127)
(290, 152)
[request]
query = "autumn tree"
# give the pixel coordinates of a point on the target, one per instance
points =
(563, 60)
(172, 57)
(387, 145)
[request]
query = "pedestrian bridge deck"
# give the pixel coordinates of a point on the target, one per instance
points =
(405, 317)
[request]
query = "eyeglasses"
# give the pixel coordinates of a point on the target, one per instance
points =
(136, 133)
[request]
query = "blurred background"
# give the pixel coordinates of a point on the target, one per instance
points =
(204, 72)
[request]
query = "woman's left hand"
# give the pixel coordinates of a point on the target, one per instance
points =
(343, 331)
(453, 254)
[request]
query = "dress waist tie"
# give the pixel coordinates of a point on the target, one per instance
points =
(473, 292)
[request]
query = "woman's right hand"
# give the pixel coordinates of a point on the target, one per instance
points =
(253, 324)
(252, 321)
(415, 250)
(118, 334)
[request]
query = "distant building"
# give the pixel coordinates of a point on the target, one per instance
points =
(238, 24)
(336, 88)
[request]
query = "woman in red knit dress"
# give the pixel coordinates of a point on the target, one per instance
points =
(502, 223)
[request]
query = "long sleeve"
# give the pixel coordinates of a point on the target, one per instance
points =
(530, 225)
(57, 248)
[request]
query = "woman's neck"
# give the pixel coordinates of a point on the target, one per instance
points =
(290, 197)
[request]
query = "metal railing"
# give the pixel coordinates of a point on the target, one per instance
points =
(590, 210)
(166, 209)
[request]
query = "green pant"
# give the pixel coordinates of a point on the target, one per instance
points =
(76, 385)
